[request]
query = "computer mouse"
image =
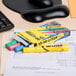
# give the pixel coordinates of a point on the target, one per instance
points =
(39, 15)
(42, 3)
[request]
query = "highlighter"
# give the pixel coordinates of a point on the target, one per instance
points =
(47, 48)
(11, 43)
(11, 48)
(54, 29)
(58, 31)
(54, 23)
(19, 48)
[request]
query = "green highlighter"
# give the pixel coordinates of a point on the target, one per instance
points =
(11, 43)
(54, 29)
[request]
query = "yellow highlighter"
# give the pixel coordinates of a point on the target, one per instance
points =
(47, 48)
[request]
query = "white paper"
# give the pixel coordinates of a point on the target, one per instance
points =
(44, 64)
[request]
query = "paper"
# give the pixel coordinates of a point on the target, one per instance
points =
(44, 64)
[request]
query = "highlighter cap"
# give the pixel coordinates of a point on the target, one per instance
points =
(11, 43)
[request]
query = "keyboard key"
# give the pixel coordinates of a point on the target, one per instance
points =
(1, 22)
(1, 16)
(5, 23)
(2, 25)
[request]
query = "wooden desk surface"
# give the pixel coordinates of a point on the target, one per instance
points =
(20, 23)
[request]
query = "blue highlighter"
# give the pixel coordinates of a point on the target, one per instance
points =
(19, 48)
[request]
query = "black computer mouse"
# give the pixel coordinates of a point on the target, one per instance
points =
(39, 15)
(41, 3)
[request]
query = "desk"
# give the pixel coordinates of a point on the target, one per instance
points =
(20, 23)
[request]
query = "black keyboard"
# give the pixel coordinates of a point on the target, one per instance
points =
(5, 23)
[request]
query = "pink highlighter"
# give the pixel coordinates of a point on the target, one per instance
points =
(13, 46)
(58, 31)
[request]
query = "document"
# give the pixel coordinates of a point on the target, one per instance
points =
(44, 64)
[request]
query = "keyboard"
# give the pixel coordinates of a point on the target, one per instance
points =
(5, 23)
